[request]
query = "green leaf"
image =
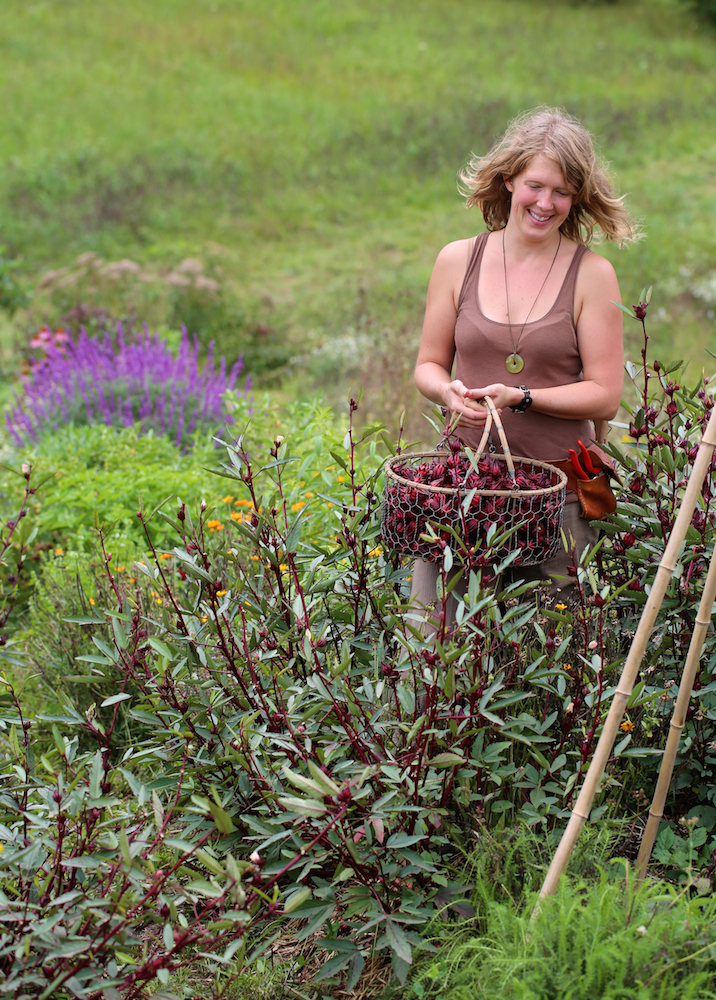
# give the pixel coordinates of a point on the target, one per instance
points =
(447, 759)
(404, 839)
(95, 780)
(306, 807)
(224, 823)
(398, 941)
(113, 699)
(296, 899)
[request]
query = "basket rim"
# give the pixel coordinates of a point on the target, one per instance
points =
(453, 491)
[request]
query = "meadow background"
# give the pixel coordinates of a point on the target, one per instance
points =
(307, 154)
(279, 178)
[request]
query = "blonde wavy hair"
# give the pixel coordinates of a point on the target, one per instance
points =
(564, 140)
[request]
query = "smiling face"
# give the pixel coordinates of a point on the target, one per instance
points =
(541, 198)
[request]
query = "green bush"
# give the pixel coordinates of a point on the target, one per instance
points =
(706, 9)
(602, 940)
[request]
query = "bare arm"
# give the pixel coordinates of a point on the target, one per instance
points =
(433, 369)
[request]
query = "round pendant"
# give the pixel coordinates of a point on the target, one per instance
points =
(514, 363)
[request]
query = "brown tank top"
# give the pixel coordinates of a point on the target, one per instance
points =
(550, 352)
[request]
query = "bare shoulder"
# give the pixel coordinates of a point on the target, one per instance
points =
(450, 267)
(455, 255)
(597, 273)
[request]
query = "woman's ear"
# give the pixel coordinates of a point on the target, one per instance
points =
(508, 182)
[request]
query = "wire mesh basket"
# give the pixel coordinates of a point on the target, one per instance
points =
(416, 516)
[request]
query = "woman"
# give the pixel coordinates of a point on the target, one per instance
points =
(526, 311)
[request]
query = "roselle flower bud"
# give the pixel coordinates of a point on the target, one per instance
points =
(640, 312)
(599, 601)
(672, 408)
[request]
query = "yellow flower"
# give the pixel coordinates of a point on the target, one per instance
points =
(283, 566)
(341, 479)
(561, 607)
(298, 505)
(627, 726)
(91, 600)
(227, 499)
(375, 552)
(220, 593)
(204, 619)
(309, 494)
(59, 551)
(255, 558)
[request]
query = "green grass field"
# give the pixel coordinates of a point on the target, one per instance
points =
(307, 154)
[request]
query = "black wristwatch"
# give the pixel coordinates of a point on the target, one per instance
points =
(525, 402)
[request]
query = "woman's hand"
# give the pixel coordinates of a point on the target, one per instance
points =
(501, 395)
(459, 399)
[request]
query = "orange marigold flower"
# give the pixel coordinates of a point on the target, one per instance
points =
(627, 726)
(298, 505)
(227, 499)
(167, 555)
(215, 525)
(91, 600)
(120, 569)
(236, 515)
(243, 503)
(59, 551)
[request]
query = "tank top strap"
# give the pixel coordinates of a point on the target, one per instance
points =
(565, 299)
(473, 267)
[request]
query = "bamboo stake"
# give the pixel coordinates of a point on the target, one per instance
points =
(678, 718)
(603, 750)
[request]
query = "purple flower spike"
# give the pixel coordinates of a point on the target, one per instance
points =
(110, 381)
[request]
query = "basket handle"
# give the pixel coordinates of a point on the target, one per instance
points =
(494, 417)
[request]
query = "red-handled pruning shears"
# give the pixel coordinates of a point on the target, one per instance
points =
(577, 466)
(585, 468)
(587, 463)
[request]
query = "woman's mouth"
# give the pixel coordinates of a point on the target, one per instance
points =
(537, 217)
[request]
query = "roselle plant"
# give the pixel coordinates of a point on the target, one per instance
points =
(656, 459)
(305, 753)
(119, 383)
